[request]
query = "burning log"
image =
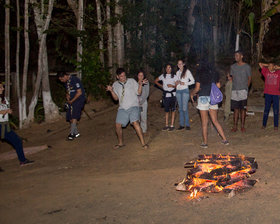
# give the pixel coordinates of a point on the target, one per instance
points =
(218, 173)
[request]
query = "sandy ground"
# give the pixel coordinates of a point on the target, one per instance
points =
(86, 181)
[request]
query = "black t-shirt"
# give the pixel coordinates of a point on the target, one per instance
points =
(206, 76)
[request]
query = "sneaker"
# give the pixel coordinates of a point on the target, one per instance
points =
(188, 128)
(166, 128)
(26, 162)
(225, 142)
(204, 146)
(180, 128)
(77, 135)
(71, 137)
(171, 129)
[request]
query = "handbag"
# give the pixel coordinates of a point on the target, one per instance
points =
(216, 95)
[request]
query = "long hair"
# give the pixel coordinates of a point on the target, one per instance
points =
(2, 96)
(172, 74)
(136, 76)
(183, 74)
(204, 71)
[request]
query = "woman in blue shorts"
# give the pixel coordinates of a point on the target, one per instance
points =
(205, 76)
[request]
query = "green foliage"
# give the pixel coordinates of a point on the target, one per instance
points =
(251, 22)
(39, 114)
(274, 10)
(94, 76)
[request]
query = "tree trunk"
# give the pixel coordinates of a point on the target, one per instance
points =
(7, 50)
(110, 38)
(119, 36)
(80, 28)
(26, 58)
(42, 21)
(238, 31)
(50, 109)
(191, 22)
(99, 24)
(264, 27)
(17, 66)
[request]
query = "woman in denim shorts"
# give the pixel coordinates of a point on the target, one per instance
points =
(205, 76)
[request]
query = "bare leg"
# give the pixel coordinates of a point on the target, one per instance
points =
(214, 118)
(204, 124)
(235, 119)
(166, 118)
(243, 116)
(172, 118)
(139, 132)
(119, 133)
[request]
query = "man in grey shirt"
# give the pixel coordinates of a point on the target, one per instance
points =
(126, 91)
(241, 79)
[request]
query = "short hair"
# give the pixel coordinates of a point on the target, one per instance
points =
(61, 74)
(120, 71)
(239, 52)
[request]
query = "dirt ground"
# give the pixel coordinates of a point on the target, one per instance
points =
(85, 181)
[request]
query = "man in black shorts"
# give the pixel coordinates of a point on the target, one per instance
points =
(241, 79)
(75, 96)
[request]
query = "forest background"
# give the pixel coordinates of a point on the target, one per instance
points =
(93, 38)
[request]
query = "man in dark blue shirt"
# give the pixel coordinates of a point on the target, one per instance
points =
(75, 96)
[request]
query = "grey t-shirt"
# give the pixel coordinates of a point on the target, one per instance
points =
(240, 74)
(127, 93)
(145, 93)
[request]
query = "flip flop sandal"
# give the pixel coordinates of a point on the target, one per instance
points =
(118, 146)
(146, 146)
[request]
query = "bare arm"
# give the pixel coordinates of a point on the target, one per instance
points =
(195, 91)
(262, 65)
(157, 83)
(249, 80)
(277, 67)
(78, 94)
(7, 111)
(114, 95)
(140, 85)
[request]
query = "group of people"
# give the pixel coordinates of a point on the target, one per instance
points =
(176, 91)
(132, 95)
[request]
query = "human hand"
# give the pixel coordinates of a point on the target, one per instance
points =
(182, 83)
(9, 111)
(67, 97)
(109, 88)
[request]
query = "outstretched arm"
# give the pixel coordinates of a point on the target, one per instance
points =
(111, 90)
(262, 65)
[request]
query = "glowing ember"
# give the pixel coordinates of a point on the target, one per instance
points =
(216, 173)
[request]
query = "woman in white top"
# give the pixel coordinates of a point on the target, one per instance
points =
(169, 100)
(184, 80)
(6, 133)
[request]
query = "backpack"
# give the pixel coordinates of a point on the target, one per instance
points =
(216, 95)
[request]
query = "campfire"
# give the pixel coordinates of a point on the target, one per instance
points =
(218, 173)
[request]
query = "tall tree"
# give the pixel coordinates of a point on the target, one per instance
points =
(99, 25)
(42, 16)
(78, 9)
(17, 66)
(26, 58)
(110, 36)
(266, 5)
(7, 49)
(119, 35)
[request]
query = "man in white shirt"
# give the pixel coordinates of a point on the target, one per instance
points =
(126, 91)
